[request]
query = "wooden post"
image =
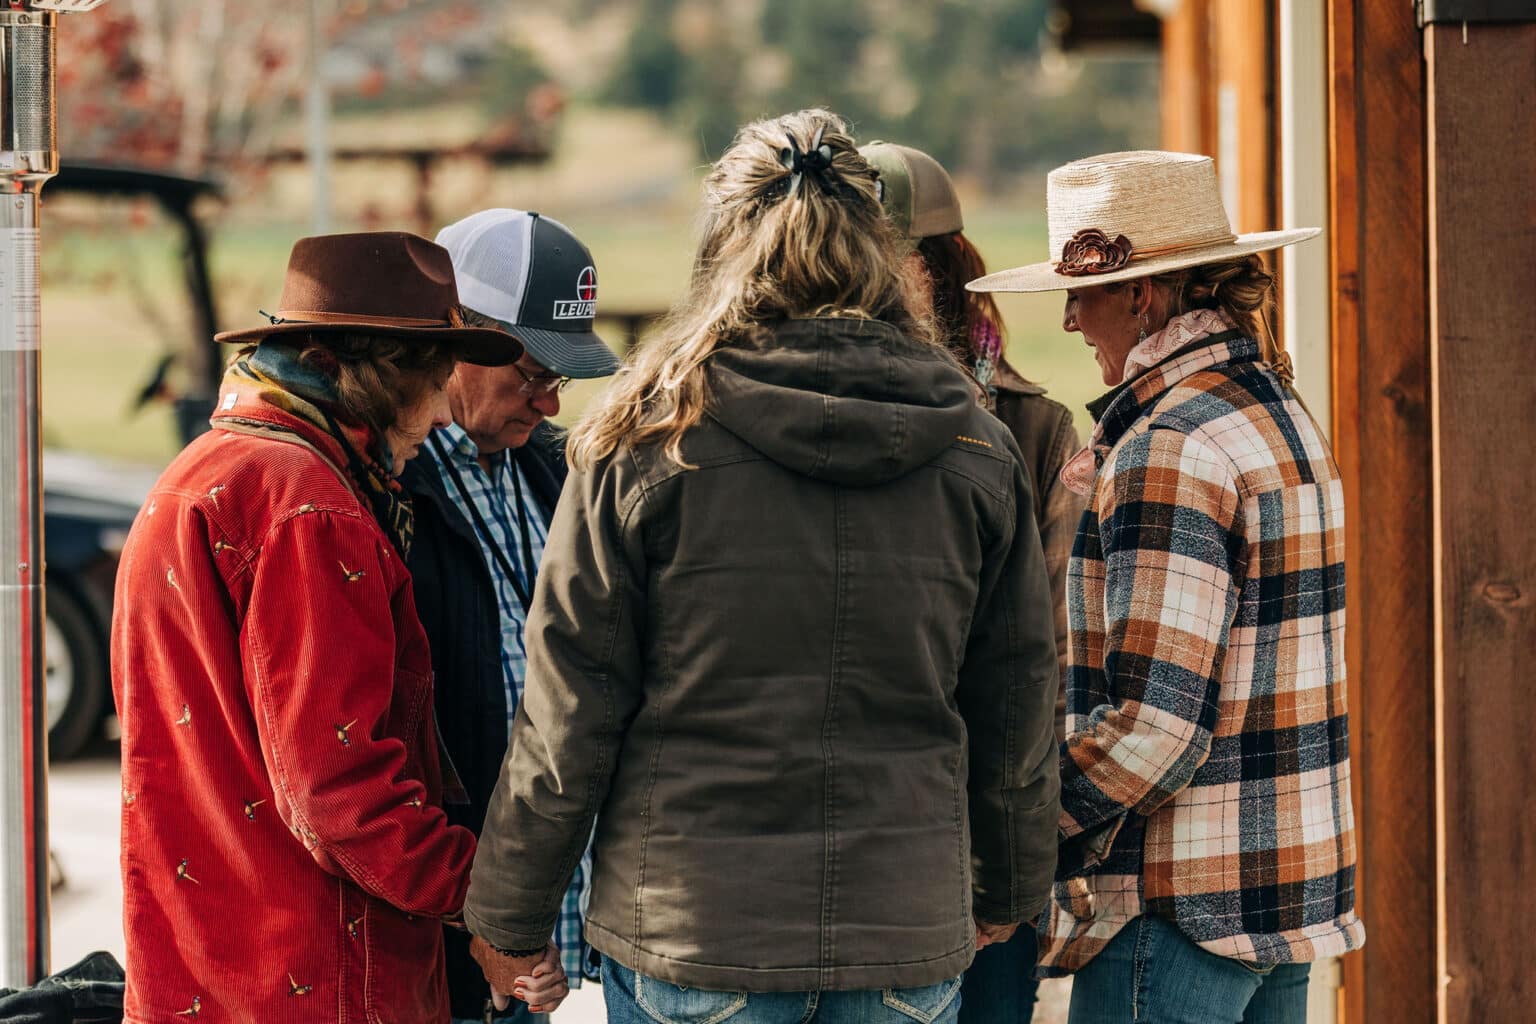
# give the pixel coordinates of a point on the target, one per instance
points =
(1245, 107)
(1381, 435)
(1188, 89)
(1482, 259)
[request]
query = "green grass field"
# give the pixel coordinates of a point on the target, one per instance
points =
(113, 300)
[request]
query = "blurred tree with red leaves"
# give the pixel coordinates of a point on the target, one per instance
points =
(186, 85)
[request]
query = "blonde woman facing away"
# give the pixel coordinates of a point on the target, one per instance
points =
(815, 732)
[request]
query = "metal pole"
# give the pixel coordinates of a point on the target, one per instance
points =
(317, 118)
(28, 158)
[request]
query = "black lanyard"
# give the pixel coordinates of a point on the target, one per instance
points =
(523, 592)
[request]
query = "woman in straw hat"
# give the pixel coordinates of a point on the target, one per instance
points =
(284, 856)
(920, 198)
(1208, 853)
(818, 726)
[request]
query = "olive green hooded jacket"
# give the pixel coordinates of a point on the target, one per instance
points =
(804, 688)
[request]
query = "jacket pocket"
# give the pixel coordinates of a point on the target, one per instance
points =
(925, 1004)
(413, 692)
(405, 979)
(669, 1004)
(413, 721)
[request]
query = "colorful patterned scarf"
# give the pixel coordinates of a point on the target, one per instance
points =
(274, 374)
(986, 345)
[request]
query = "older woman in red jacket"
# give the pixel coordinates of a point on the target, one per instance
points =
(284, 856)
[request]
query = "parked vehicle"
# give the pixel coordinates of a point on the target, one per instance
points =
(89, 502)
(88, 506)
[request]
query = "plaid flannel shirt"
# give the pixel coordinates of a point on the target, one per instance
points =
(1205, 778)
(495, 498)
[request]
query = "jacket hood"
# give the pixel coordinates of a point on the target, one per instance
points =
(846, 401)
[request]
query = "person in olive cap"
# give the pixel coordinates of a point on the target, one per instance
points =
(920, 199)
(486, 487)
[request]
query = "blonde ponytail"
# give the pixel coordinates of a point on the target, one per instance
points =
(793, 228)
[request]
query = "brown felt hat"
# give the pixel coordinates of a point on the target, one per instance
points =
(915, 190)
(380, 282)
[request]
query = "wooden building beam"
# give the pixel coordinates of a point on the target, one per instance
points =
(1188, 87)
(1482, 260)
(1381, 433)
(1243, 38)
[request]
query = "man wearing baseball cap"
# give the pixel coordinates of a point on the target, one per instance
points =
(485, 489)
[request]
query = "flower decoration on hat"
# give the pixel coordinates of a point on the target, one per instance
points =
(1090, 251)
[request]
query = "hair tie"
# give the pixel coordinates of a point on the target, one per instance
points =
(816, 161)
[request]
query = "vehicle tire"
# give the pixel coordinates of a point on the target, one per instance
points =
(77, 682)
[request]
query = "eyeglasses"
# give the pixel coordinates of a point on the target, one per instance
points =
(543, 384)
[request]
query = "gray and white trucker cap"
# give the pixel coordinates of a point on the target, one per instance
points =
(531, 274)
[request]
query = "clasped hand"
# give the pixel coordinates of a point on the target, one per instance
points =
(987, 934)
(537, 980)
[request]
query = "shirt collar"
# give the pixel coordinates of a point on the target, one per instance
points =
(462, 448)
(1119, 409)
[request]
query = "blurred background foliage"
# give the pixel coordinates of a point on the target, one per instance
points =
(601, 113)
(977, 83)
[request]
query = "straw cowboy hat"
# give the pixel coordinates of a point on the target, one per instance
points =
(379, 282)
(1121, 216)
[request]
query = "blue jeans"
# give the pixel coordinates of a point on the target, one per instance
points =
(638, 999)
(1152, 972)
(522, 1016)
(1000, 984)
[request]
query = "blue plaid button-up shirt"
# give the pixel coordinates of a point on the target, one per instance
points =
(495, 498)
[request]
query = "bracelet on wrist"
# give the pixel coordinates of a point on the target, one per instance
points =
(521, 954)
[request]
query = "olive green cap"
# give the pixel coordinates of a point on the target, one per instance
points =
(915, 190)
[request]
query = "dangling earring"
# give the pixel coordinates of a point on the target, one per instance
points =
(1141, 335)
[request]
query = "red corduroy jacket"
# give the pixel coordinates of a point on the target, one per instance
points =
(284, 856)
